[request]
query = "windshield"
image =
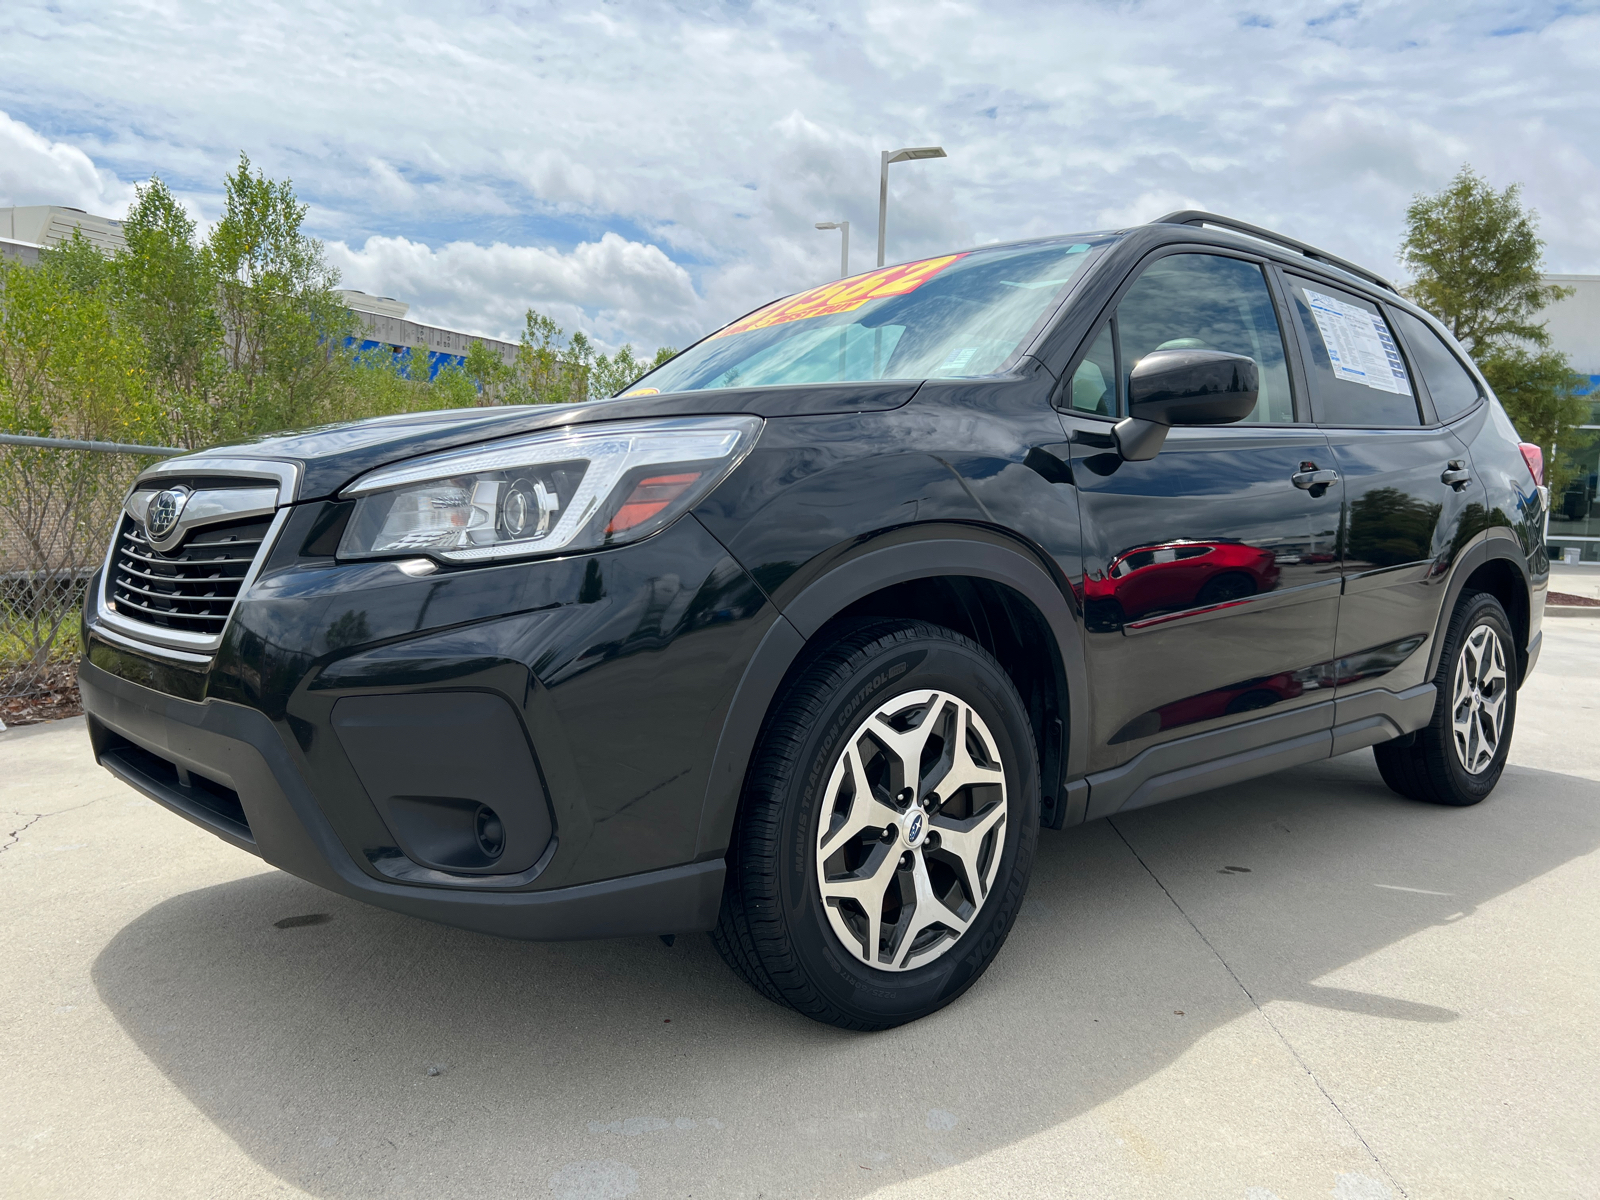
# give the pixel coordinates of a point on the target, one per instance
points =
(958, 315)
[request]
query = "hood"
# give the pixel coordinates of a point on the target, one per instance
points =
(334, 455)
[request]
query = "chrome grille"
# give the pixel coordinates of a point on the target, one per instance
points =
(190, 588)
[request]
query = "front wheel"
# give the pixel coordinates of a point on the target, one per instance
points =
(1458, 756)
(887, 829)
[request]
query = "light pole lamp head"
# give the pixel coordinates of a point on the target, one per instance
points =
(908, 153)
(844, 243)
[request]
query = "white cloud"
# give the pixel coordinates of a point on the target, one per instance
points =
(647, 171)
(35, 170)
(614, 288)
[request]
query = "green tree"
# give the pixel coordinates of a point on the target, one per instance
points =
(165, 290)
(487, 372)
(1477, 258)
(612, 376)
(548, 368)
(284, 325)
(68, 368)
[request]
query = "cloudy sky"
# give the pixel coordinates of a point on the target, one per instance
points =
(648, 171)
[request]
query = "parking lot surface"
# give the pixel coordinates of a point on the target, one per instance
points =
(1303, 986)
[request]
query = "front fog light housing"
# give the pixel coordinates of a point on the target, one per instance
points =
(578, 488)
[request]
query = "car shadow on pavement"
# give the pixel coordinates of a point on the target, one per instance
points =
(356, 1052)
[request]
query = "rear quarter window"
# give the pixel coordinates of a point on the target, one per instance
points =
(1451, 385)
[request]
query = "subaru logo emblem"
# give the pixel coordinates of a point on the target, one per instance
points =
(161, 517)
(914, 830)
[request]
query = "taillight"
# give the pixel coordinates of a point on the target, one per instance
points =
(1534, 457)
(650, 496)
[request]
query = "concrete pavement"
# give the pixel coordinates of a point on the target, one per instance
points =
(1299, 987)
(1575, 580)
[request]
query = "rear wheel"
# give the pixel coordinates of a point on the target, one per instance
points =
(887, 829)
(1458, 756)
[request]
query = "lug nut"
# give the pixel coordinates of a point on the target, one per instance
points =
(889, 833)
(932, 801)
(906, 860)
(905, 795)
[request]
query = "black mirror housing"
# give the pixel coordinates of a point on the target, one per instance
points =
(1193, 387)
(1183, 387)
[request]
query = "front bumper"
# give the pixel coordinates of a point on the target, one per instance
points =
(143, 737)
(610, 676)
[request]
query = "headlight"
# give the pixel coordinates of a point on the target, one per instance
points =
(571, 489)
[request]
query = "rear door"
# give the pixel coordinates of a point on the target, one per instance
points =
(1407, 485)
(1211, 581)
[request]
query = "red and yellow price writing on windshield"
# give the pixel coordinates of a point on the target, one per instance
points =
(844, 295)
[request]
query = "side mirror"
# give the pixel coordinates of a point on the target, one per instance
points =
(1183, 387)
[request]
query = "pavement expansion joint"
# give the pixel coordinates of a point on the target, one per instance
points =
(1278, 1033)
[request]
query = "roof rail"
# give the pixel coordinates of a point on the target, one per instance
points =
(1193, 216)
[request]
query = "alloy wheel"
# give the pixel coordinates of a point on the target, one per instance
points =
(912, 828)
(1478, 699)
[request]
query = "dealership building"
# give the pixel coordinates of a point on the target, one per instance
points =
(1574, 327)
(25, 231)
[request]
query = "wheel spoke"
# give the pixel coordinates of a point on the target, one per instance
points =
(963, 770)
(867, 888)
(930, 910)
(1495, 708)
(907, 745)
(964, 840)
(866, 810)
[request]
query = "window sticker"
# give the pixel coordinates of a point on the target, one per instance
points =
(1358, 343)
(844, 295)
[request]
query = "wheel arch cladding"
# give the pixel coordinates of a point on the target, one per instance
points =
(1493, 565)
(1501, 579)
(996, 595)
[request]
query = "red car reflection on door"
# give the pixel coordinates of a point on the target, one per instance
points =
(1172, 576)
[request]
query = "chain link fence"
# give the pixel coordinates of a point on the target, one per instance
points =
(58, 500)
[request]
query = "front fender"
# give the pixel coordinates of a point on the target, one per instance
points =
(899, 556)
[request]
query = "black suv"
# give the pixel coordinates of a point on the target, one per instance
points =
(803, 638)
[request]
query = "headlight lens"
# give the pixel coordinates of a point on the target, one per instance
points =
(572, 489)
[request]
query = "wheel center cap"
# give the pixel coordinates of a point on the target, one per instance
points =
(914, 827)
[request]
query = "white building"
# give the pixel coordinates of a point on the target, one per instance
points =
(1574, 327)
(39, 225)
(386, 325)
(1574, 323)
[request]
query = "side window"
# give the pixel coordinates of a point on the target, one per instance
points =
(1208, 302)
(1453, 389)
(1357, 374)
(1094, 383)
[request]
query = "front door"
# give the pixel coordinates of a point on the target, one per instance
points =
(1211, 579)
(1407, 487)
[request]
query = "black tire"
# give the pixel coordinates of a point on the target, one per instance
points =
(1428, 765)
(774, 929)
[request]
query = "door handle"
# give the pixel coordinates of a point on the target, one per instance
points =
(1310, 479)
(1456, 474)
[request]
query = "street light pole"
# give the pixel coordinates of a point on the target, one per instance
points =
(905, 154)
(844, 244)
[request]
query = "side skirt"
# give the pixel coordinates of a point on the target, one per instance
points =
(1259, 747)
